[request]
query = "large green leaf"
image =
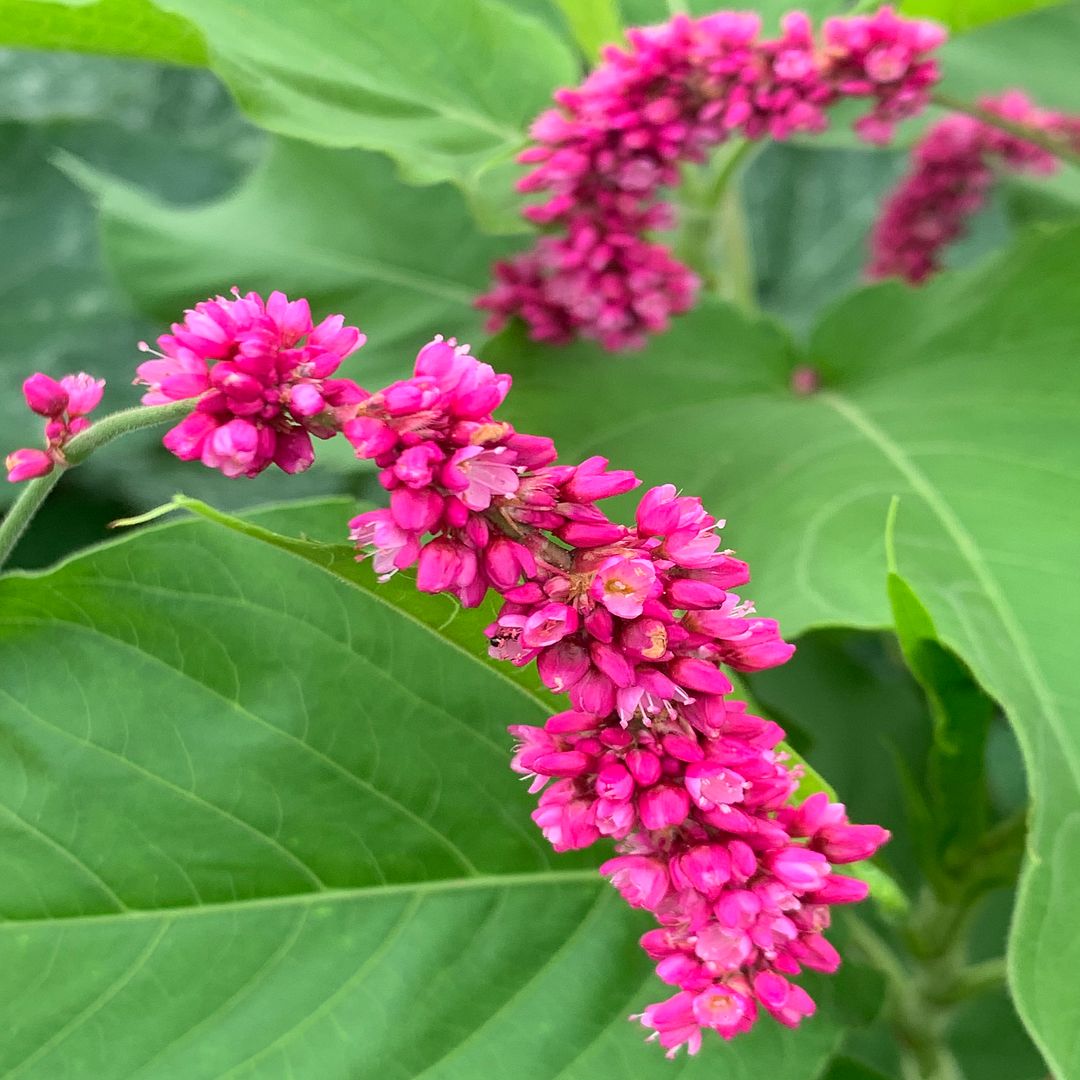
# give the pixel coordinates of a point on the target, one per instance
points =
(119, 27)
(966, 14)
(465, 628)
(257, 822)
(961, 397)
(334, 225)
(445, 87)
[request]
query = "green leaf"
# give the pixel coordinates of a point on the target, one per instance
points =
(466, 629)
(594, 23)
(961, 398)
(961, 713)
(1032, 51)
(333, 225)
(966, 14)
(116, 27)
(257, 821)
(445, 87)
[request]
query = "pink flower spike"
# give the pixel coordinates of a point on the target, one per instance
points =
(27, 465)
(260, 371)
(44, 395)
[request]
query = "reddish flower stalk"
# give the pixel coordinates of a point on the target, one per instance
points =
(952, 171)
(680, 89)
(634, 624)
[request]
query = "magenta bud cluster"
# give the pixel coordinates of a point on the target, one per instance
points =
(951, 173)
(636, 624)
(261, 372)
(65, 404)
(604, 154)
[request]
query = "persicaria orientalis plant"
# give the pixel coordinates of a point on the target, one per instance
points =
(637, 623)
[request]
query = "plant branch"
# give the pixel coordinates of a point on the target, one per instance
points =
(18, 518)
(1059, 147)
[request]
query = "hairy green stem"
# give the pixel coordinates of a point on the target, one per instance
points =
(918, 1024)
(18, 518)
(1051, 143)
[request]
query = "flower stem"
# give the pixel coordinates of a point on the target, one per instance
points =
(715, 237)
(18, 518)
(1059, 147)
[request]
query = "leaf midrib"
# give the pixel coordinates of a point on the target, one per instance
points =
(358, 893)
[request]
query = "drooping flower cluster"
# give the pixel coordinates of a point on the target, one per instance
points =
(952, 171)
(261, 371)
(677, 90)
(65, 404)
(633, 623)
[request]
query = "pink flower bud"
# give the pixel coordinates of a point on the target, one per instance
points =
(726, 948)
(83, 393)
(700, 675)
(440, 566)
(590, 482)
(850, 843)
(27, 465)
(416, 511)
(674, 1023)
(188, 438)
(712, 785)
(663, 806)
(690, 594)
(567, 763)
(549, 625)
(705, 867)
(683, 748)
(45, 396)
(658, 512)
(613, 781)
(785, 1001)
(840, 890)
(293, 452)
(505, 561)
(593, 693)
(612, 663)
(682, 970)
(233, 448)
(583, 534)
(415, 467)
(562, 666)
(570, 722)
(799, 868)
(371, 438)
(644, 766)
(643, 882)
